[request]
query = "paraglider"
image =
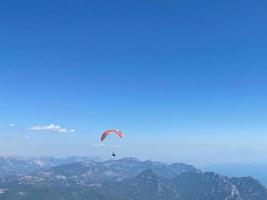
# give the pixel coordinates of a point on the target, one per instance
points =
(112, 131)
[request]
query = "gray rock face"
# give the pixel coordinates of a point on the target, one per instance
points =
(249, 188)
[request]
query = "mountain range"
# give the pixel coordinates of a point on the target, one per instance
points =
(82, 178)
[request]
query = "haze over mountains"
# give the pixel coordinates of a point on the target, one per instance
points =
(84, 178)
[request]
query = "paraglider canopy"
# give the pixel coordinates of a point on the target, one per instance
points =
(108, 132)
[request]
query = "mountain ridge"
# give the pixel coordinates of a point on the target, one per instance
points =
(128, 179)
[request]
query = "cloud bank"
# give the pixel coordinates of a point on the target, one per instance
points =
(109, 145)
(52, 128)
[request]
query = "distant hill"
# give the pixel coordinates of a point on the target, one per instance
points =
(256, 170)
(18, 165)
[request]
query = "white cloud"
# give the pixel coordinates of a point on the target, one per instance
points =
(118, 145)
(11, 125)
(99, 145)
(109, 145)
(52, 127)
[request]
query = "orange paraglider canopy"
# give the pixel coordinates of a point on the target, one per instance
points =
(108, 132)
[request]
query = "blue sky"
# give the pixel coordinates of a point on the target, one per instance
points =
(185, 80)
